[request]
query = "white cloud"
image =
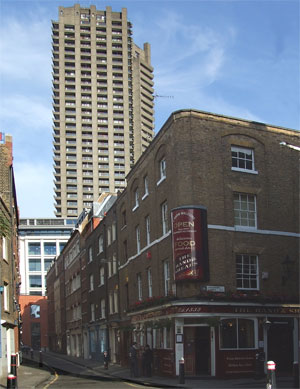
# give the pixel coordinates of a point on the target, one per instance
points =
(202, 100)
(34, 184)
(26, 112)
(187, 57)
(25, 49)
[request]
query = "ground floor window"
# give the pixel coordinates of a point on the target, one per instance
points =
(162, 338)
(237, 333)
(92, 342)
(102, 340)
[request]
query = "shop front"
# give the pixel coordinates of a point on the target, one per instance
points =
(220, 339)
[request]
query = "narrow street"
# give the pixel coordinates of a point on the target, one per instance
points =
(66, 381)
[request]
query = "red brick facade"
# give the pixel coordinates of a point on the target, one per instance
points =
(248, 184)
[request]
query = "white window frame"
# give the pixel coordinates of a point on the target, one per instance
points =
(90, 254)
(5, 297)
(149, 279)
(4, 248)
(248, 272)
(148, 236)
(108, 236)
(241, 158)
(102, 276)
(138, 239)
(116, 301)
(100, 244)
(92, 312)
(111, 303)
(139, 286)
(114, 264)
(164, 217)
(91, 282)
(255, 329)
(109, 266)
(162, 171)
(146, 187)
(114, 231)
(136, 200)
(243, 199)
(166, 270)
(102, 309)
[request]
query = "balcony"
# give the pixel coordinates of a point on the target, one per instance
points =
(87, 135)
(119, 152)
(87, 189)
(71, 196)
(101, 38)
(71, 134)
(69, 35)
(87, 158)
(87, 173)
(72, 188)
(70, 103)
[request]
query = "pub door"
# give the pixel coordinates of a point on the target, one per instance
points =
(197, 350)
(280, 345)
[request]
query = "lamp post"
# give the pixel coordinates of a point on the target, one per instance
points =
(285, 144)
(266, 326)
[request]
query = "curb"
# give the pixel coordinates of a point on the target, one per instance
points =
(104, 376)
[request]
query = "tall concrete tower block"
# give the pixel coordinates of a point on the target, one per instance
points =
(103, 105)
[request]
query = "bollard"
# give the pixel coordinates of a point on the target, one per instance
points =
(271, 379)
(11, 381)
(31, 353)
(181, 371)
(13, 364)
(105, 359)
(296, 374)
(40, 359)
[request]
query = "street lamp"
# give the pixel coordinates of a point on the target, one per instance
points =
(267, 324)
(285, 144)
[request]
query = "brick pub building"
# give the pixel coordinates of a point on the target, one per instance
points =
(204, 260)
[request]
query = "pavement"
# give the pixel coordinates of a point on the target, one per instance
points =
(40, 368)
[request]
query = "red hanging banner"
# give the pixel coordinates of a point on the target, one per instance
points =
(190, 243)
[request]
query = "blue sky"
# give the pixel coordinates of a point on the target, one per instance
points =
(237, 58)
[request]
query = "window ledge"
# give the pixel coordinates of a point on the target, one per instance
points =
(237, 169)
(247, 290)
(145, 196)
(160, 180)
(244, 228)
(135, 208)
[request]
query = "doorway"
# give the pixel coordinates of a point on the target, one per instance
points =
(197, 350)
(280, 345)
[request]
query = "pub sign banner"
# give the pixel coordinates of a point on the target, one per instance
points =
(190, 243)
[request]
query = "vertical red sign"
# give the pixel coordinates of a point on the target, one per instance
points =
(190, 243)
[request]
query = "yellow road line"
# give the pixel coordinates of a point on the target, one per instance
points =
(51, 382)
(135, 386)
